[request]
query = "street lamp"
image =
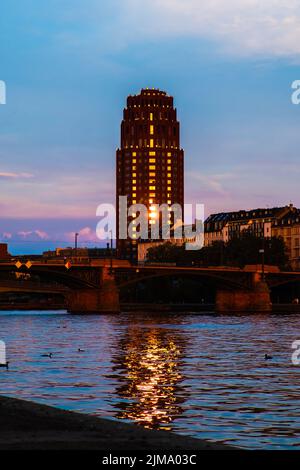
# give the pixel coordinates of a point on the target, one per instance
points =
(262, 252)
(76, 242)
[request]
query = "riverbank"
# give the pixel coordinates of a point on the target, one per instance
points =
(26, 425)
(154, 307)
(207, 309)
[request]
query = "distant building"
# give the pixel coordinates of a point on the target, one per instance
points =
(4, 255)
(259, 222)
(288, 228)
(150, 161)
(66, 253)
(276, 222)
(80, 253)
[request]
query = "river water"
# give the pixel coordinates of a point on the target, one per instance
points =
(195, 374)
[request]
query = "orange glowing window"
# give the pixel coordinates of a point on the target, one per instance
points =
(133, 181)
(169, 182)
(133, 168)
(134, 175)
(169, 202)
(134, 160)
(134, 154)
(152, 194)
(169, 168)
(151, 116)
(152, 188)
(169, 161)
(169, 188)
(152, 154)
(151, 131)
(169, 154)
(133, 188)
(152, 174)
(169, 175)
(151, 143)
(152, 167)
(152, 160)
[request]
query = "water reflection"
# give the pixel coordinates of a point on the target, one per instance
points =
(148, 367)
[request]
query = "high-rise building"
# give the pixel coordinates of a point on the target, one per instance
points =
(3, 251)
(150, 162)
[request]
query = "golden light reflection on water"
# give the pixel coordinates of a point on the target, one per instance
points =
(149, 363)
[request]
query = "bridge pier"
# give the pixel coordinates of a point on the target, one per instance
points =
(255, 300)
(102, 300)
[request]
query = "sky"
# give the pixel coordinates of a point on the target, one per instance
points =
(69, 65)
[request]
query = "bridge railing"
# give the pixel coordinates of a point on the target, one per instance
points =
(32, 284)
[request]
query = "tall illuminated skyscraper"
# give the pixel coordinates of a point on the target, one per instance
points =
(150, 162)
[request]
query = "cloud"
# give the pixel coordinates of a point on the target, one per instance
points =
(9, 175)
(243, 27)
(6, 236)
(75, 193)
(85, 235)
(266, 28)
(32, 235)
(215, 183)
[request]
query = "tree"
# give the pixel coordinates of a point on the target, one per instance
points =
(165, 252)
(245, 249)
(239, 251)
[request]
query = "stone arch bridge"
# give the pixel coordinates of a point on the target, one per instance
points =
(94, 287)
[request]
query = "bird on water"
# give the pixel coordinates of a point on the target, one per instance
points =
(267, 357)
(47, 355)
(4, 364)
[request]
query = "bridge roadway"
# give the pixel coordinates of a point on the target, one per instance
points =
(32, 287)
(88, 274)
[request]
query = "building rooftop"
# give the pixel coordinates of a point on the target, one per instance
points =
(243, 215)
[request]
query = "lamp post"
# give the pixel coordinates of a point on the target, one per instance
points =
(76, 242)
(262, 252)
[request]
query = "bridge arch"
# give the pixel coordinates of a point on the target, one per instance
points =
(60, 276)
(219, 281)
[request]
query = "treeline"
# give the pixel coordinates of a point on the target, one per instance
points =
(239, 251)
